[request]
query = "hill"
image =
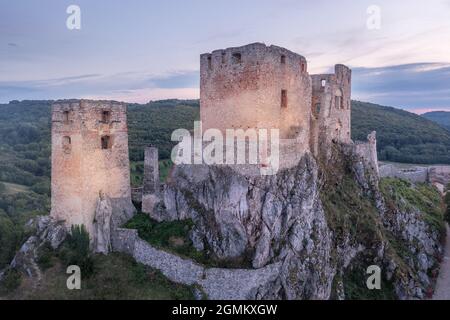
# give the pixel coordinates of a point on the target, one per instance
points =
(25, 149)
(440, 117)
(402, 136)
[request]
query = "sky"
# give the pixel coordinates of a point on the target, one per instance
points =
(141, 50)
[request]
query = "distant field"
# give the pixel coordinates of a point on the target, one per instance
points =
(12, 188)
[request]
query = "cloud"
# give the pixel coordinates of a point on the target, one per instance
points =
(125, 86)
(411, 86)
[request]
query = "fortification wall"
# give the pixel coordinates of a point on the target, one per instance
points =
(89, 155)
(255, 86)
(368, 152)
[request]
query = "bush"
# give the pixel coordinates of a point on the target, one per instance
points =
(11, 281)
(75, 250)
(447, 203)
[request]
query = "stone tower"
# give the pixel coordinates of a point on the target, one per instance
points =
(151, 189)
(89, 159)
(331, 108)
(256, 86)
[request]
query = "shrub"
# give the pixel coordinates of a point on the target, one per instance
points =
(76, 250)
(10, 282)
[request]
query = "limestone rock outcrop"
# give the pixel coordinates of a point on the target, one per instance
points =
(47, 230)
(282, 219)
(102, 225)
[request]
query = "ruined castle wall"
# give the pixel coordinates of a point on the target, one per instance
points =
(151, 188)
(89, 155)
(368, 152)
(256, 86)
(331, 108)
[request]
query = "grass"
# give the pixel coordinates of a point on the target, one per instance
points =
(410, 197)
(171, 236)
(116, 277)
(355, 286)
(352, 214)
(137, 171)
(13, 188)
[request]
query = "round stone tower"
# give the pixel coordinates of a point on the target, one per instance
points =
(256, 86)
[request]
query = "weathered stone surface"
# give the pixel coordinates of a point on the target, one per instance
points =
(47, 230)
(102, 225)
(216, 283)
(89, 155)
(273, 218)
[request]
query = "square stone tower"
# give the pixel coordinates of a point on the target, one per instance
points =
(256, 86)
(89, 157)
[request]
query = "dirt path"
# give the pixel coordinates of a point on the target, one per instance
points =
(442, 291)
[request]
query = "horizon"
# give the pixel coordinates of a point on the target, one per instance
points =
(147, 50)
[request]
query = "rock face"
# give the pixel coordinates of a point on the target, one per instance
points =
(263, 219)
(281, 219)
(48, 231)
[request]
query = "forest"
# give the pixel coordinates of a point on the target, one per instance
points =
(25, 150)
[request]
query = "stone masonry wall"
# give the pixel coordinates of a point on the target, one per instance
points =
(151, 188)
(216, 283)
(89, 155)
(331, 108)
(243, 88)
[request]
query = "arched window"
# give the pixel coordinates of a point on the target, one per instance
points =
(339, 100)
(66, 115)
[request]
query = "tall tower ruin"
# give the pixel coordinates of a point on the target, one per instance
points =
(89, 159)
(331, 108)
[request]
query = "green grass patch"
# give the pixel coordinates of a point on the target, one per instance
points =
(407, 196)
(172, 236)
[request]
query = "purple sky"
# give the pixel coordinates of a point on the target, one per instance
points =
(142, 50)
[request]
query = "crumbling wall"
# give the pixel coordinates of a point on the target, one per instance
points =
(151, 188)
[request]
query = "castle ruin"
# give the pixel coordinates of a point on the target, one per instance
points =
(89, 161)
(258, 86)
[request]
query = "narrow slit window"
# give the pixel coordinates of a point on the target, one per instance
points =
(223, 57)
(106, 142)
(237, 58)
(283, 59)
(284, 99)
(66, 117)
(303, 67)
(337, 102)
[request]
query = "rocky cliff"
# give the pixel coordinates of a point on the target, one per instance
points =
(324, 220)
